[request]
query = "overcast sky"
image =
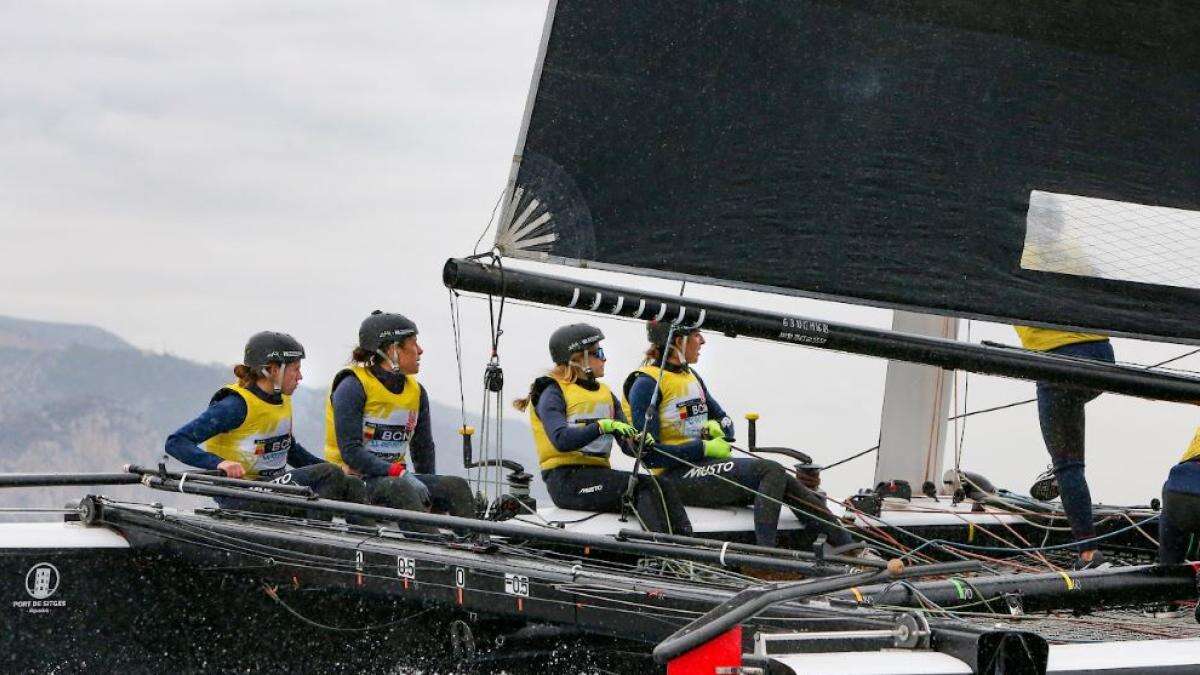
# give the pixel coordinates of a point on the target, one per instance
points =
(185, 174)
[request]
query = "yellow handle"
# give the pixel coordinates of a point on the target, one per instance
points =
(467, 431)
(751, 416)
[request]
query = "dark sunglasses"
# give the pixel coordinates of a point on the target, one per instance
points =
(598, 352)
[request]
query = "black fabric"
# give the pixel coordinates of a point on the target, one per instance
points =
(875, 152)
(327, 480)
(718, 483)
(1179, 527)
(595, 488)
(450, 495)
(1062, 420)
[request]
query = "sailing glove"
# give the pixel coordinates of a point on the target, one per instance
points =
(616, 428)
(713, 430)
(717, 448)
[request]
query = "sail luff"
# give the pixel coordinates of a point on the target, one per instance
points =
(465, 275)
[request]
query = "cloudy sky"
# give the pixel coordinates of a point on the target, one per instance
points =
(187, 173)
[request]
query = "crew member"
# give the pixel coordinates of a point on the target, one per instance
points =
(575, 418)
(246, 431)
(1179, 522)
(694, 434)
(1061, 415)
(377, 416)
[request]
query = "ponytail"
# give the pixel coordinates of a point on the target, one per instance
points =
(246, 376)
(564, 373)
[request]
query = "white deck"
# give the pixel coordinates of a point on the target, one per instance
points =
(58, 536)
(921, 511)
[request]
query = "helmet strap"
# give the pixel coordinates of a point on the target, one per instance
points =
(277, 381)
(587, 369)
(393, 367)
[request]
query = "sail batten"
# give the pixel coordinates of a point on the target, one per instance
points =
(912, 158)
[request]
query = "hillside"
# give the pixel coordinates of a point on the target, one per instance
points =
(78, 398)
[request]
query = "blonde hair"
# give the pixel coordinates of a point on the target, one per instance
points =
(564, 373)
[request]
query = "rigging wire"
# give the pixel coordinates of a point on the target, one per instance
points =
(272, 592)
(1151, 366)
(455, 325)
(491, 219)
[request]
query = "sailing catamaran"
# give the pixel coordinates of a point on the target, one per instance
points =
(1031, 164)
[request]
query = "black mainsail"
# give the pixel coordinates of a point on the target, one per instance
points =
(1032, 163)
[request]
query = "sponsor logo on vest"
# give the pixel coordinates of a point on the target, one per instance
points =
(589, 490)
(710, 470)
(272, 445)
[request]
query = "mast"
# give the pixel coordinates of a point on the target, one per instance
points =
(470, 276)
(916, 403)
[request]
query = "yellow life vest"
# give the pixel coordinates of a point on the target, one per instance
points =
(389, 420)
(1193, 450)
(584, 406)
(1045, 339)
(262, 441)
(682, 406)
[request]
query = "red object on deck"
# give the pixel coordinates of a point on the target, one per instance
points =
(723, 651)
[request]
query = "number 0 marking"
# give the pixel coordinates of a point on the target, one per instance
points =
(460, 577)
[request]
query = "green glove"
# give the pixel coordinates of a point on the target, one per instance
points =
(713, 430)
(717, 448)
(616, 428)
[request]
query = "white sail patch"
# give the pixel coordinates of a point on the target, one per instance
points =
(1085, 236)
(524, 232)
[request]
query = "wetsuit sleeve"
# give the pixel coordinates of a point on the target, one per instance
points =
(641, 393)
(565, 437)
(349, 397)
(223, 415)
(716, 412)
(421, 447)
(298, 456)
(627, 445)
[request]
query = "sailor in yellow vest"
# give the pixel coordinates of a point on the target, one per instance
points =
(575, 419)
(1179, 522)
(246, 431)
(377, 423)
(674, 404)
(1060, 414)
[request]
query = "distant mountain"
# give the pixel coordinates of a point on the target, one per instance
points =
(76, 398)
(23, 333)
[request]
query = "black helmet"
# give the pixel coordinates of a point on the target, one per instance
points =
(573, 338)
(272, 347)
(382, 329)
(657, 332)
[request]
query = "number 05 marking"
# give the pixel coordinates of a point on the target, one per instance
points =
(516, 584)
(406, 568)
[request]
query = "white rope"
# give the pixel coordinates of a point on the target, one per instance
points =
(724, 547)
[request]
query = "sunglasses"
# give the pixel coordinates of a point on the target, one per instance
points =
(598, 352)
